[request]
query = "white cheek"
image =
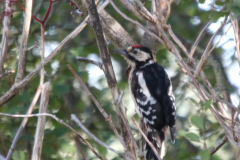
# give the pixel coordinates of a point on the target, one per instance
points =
(140, 56)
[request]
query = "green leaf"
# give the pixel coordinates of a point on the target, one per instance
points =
(197, 121)
(216, 15)
(193, 137)
(201, 1)
(207, 104)
(205, 155)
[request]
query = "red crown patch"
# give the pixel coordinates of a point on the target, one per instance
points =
(137, 46)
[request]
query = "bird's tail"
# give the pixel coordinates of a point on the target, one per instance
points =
(157, 139)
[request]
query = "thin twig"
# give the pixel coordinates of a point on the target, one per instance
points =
(17, 86)
(188, 85)
(235, 28)
(99, 64)
(39, 135)
(6, 74)
(79, 123)
(105, 115)
(145, 137)
(59, 121)
(194, 47)
(215, 149)
(136, 23)
(23, 124)
(174, 37)
(206, 53)
(220, 39)
(35, 45)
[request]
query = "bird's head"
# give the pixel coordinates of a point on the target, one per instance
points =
(137, 55)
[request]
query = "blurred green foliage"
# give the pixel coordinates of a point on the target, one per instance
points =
(196, 128)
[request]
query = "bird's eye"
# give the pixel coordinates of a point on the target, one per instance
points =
(135, 51)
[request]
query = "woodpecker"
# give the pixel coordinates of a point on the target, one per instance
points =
(151, 91)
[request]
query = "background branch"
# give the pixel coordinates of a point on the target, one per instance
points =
(5, 35)
(39, 135)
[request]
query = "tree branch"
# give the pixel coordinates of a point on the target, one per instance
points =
(5, 35)
(23, 124)
(59, 121)
(6, 74)
(146, 139)
(109, 73)
(37, 148)
(215, 149)
(194, 47)
(17, 86)
(206, 52)
(105, 115)
(99, 64)
(24, 40)
(79, 123)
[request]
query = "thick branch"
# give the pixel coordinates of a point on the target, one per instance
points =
(108, 69)
(24, 40)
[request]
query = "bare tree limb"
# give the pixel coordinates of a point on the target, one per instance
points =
(174, 37)
(99, 64)
(2, 158)
(17, 86)
(5, 35)
(136, 23)
(37, 148)
(215, 149)
(145, 137)
(59, 121)
(109, 73)
(236, 33)
(220, 39)
(79, 123)
(206, 52)
(23, 124)
(194, 47)
(188, 85)
(24, 40)
(105, 115)
(6, 74)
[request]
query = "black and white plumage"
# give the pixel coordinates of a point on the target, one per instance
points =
(151, 91)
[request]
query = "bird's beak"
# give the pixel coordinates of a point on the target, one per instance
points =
(121, 52)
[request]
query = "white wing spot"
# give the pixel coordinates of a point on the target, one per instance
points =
(154, 117)
(145, 90)
(146, 120)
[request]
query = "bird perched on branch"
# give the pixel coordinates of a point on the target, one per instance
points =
(151, 91)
